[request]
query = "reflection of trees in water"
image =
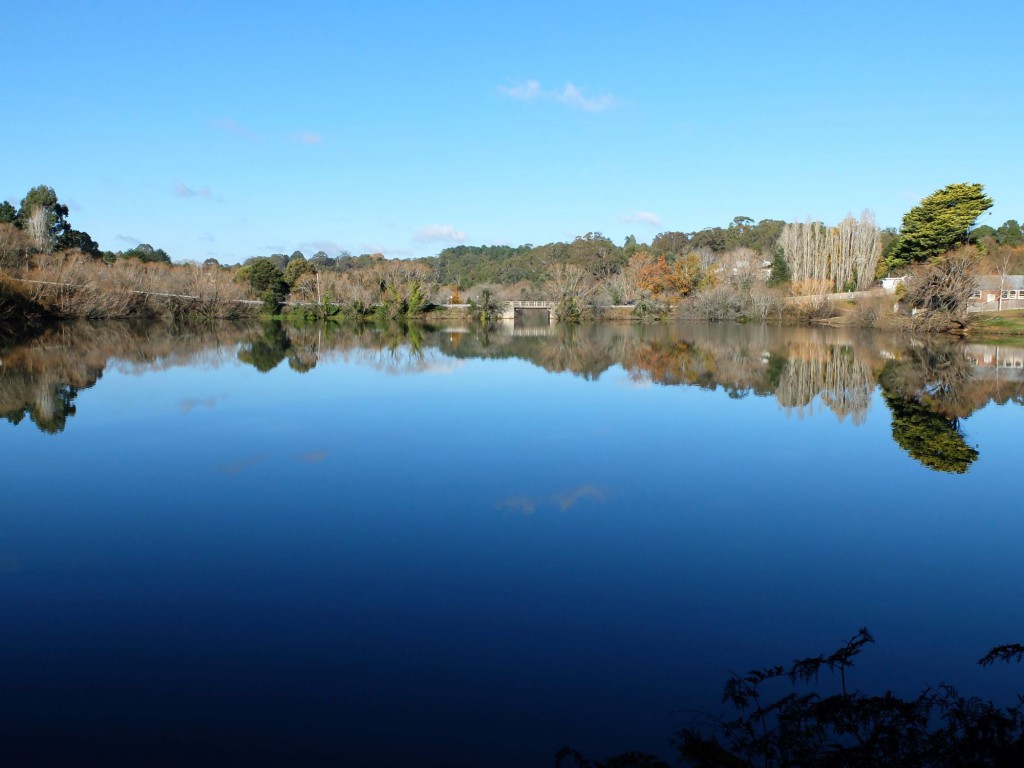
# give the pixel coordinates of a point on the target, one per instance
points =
(48, 405)
(932, 439)
(305, 347)
(797, 371)
(927, 390)
(394, 348)
(672, 357)
(586, 351)
(41, 379)
(938, 374)
(265, 350)
(272, 342)
(842, 378)
(582, 350)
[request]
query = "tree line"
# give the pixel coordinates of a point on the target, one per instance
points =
(741, 270)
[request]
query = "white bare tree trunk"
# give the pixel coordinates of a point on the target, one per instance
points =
(37, 230)
(841, 257)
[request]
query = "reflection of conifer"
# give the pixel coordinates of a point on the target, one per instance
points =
(932, 439)
(924, 391)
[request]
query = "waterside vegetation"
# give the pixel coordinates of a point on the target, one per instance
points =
(782, 720)
(763, 271)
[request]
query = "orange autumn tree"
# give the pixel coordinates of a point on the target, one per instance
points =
(657, 277)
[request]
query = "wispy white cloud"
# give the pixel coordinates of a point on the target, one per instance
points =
(439, 233)
(311, 139)
(649, 218)
(183, 191)
(523, 91)
(570, 95)
(574, 97)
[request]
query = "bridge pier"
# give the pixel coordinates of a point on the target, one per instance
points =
(510, 307)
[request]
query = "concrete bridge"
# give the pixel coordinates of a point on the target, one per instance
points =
(510, 308)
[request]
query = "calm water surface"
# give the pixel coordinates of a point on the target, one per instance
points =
(427, 547)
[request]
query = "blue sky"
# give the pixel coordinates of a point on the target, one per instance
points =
(232, 130)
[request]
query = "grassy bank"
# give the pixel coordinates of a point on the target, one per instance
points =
(1009, 323)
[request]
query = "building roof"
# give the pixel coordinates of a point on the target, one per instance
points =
(997, 283)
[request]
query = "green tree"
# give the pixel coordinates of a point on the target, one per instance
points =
(980, 233)
(266, 281)
(72, 238)
(595, 253)
(279, 260)
(56, 214)
(671, 242)
(710, 237)
(8, 213)
(738, 232)
(629, 247)
(321, 260)
(941, 221)
(147, 253)
(764, 235)
(297, 267)
(780, 268)
(1010, 234)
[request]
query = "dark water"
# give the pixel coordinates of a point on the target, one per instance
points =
(430, 547)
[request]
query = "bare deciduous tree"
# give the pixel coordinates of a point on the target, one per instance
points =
(764, 302)
(741, 268)
(13, 246)
(571, 286)
(38, 231)
(943, 288)
(845, 256)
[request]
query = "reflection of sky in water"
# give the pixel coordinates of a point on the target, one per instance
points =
(340, 556)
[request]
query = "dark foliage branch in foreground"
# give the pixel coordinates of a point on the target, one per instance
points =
(936, 729)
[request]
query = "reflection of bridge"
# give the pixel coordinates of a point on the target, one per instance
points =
(529, 330)
(508, 311)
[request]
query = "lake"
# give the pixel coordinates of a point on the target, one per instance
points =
(462, 546)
